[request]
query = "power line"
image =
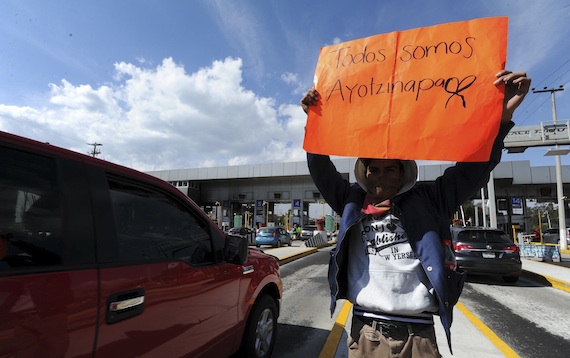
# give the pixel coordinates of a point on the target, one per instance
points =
(95, 152)
(531, 113)
(528, 105)
(553, 72)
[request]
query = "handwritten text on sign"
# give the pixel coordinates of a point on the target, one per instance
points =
(426, 93)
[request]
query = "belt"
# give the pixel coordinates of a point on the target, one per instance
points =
(389, 328)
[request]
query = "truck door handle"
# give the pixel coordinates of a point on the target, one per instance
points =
(123, 305)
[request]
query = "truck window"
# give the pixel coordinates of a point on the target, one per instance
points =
(151, 225)
(31, 219)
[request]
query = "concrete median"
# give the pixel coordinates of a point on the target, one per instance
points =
(317, 240)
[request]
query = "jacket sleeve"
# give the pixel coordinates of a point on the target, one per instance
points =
(459, 182)
(332, 186)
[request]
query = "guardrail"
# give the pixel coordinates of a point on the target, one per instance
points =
(540, 252)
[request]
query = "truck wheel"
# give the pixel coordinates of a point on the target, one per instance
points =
(261, 328)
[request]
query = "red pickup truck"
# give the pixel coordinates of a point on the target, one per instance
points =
(100, 260)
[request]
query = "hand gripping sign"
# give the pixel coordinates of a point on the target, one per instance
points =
(424, 94)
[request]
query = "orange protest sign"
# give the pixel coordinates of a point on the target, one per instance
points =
(425, 93)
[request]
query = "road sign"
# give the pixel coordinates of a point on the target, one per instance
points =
(545, 134)
(516, 202)
(297, 204)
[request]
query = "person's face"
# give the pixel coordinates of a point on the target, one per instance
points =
(385, 177)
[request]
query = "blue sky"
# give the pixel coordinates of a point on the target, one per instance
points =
(185, 84)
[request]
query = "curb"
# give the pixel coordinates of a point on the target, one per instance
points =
(547, 280)
(335, 335)
(486, 331)
(294, 257)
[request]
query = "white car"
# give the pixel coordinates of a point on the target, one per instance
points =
(307, 232)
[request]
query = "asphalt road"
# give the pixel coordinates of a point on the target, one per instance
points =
(530, 318)
(305, 320)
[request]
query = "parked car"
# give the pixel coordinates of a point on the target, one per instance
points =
(275, 236)
(486, 251)
(307, 232)
(100, 260)
(552, 235)
(245, 232)
(241, 231)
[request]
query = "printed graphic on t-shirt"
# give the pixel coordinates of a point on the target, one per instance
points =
(385, 237)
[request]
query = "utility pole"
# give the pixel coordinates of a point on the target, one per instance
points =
(95, 152)
(559, 186)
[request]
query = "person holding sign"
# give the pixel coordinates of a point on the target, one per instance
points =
(389, 261)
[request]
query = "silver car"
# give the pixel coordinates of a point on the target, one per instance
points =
(552, 235)
(307, 232)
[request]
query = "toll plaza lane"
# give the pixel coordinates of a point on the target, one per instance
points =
(530, 318)
(305, 321)
(492, 319)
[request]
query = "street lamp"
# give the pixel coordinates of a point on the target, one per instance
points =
(559, 187)
(266, 204)
(218, 213)
(483, 208)
(548, 218)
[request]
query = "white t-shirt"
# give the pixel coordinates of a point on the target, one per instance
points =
(386, 280)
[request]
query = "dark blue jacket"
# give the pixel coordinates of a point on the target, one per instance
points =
(425, 211)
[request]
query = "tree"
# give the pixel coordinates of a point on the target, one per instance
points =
(469, 211)
(546, 211)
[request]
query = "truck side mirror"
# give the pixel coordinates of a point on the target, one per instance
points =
(236, 250)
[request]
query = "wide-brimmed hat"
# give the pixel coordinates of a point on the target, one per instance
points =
(410, 168)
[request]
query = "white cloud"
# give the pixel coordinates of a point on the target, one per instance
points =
(290, 78)
(165, 118)
(293, 80)
(83, 96)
